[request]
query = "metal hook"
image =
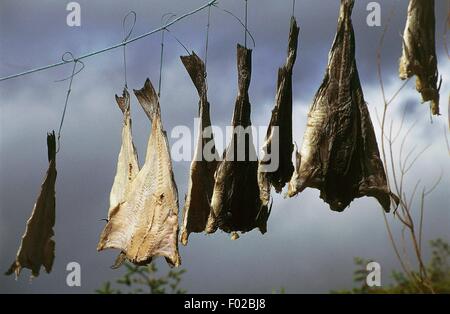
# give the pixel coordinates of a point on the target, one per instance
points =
(168, 16)
(71, 59)
(125, 38)
(245, 36)
(165, 18)
(74, 72)
(239, 20)
(171, 34)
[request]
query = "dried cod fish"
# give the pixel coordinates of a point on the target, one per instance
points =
(127, 163)
(145, 224)
(280, 127)
(37, 247)
(339, 155)
(419, 51)
(236, 205)
(201, 180)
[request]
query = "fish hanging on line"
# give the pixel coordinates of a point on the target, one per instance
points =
(339, 155)
(278, 147)
(127, 163)
(236, 204)
(37, 247)
(196, 209)
(145, 224)
(419, 51)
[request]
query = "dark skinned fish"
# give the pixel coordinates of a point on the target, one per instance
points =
(339, 155)
(419, 51)
(145, 224)
(201, 180)
(37, 247)
(280, 127)
(236, 204)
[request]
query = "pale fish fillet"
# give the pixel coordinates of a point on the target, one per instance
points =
(201, 179)
(146, 223)
(127, 163)
(280, 128)
(419, 51)
(37, 247)
(339, 155)
(236, 204)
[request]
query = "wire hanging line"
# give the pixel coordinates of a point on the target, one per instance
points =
(167, 16)
(239, 20)
(126, 36)
(70, 60)
(74, 72)
(123, 43)
(246, 20)
(164, 20)
(207, 37)
(293, 7)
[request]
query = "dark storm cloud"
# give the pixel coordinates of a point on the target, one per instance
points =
(308, 248)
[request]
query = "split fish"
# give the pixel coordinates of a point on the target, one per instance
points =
(236, 204)
(280, 128)
(145, 224)
(37, 247)
(419, 51)
(127, 163)
(339, 155)
(201, 180)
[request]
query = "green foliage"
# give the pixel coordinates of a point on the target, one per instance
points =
(144, 279)
(438, 270)
(282, 290)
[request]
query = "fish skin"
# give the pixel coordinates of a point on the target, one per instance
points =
(419, 51)
(145, 224)
(127, 163)
(37, 247)
(339, 155)
(236, 204)
(281, 118)
(197, 208)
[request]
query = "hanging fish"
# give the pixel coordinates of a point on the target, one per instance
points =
(236, 204)
(419, 51)
(127, 163)
(339, 155)
(145, 224)
(201, 180)
(280, 128)
(37, 247)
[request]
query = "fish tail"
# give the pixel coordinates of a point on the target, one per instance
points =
(148, 99)
(196, 69)
(346, 8)
(51, 146)
(124, 101)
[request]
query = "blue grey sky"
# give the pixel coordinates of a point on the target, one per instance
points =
(308, 248)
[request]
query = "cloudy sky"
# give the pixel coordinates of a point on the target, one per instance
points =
(308, 248)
